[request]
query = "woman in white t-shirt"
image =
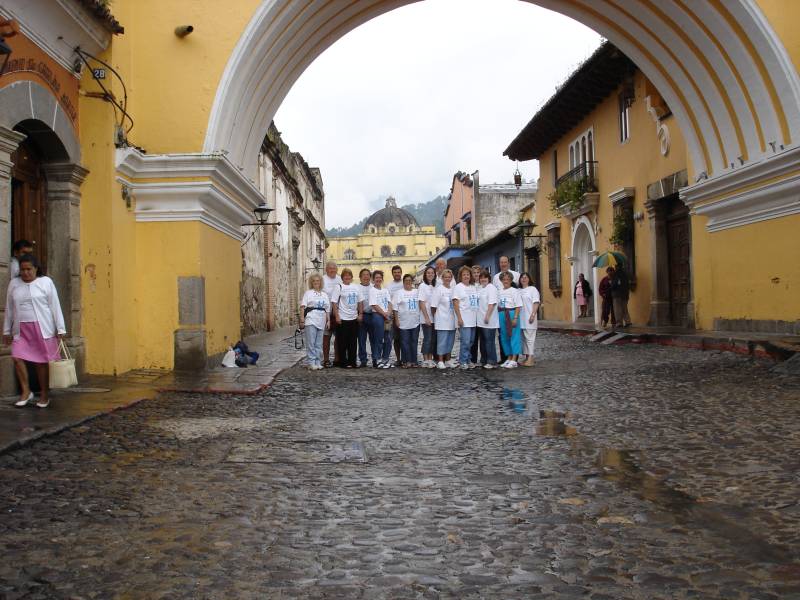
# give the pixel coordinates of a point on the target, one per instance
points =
(314, 309)
(365, 283)
(346, 302)
(429, 283)
(487, 320)
(406, 314)
(465, 305)
(528, 317)
(444, 320)
(382, 330)
(509, 304)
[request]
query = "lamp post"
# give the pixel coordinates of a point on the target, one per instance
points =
(315, 265)
(518, 177)
(262, 214)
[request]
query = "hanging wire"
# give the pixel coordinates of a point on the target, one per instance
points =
(123, 108)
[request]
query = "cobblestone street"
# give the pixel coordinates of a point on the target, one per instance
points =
(615, 472)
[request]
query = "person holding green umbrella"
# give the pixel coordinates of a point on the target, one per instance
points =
(620, 292)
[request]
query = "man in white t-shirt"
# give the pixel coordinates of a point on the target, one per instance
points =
(331, 282)
(440, 266)
(505, 266)
(394, 286)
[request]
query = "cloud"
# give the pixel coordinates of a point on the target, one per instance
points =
(401, 103)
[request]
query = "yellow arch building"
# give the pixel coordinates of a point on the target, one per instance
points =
(391, 236)
(163, 202)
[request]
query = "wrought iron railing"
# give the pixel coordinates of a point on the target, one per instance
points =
(586, 173)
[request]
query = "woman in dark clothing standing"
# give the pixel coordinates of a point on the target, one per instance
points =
(608, 303)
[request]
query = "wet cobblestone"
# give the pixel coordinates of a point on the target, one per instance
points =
(679, 480)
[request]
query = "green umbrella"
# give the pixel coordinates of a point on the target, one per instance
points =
(610, 258)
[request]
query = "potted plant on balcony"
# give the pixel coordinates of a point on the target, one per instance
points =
(568, 195)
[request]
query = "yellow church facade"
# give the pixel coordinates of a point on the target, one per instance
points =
(391, 236)
(149, 122)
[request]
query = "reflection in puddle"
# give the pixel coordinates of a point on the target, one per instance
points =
(551, 423)
(620, 467)
(516, 399)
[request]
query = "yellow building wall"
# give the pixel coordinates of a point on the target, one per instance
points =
(783, 16)
(634, 163)
(750, 272)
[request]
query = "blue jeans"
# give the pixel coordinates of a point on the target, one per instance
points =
(409, 341)
(445, 338)
(313, 345)
(380, 338)
(465, 350)
(428, 339)
(363, 334)
(488, 346)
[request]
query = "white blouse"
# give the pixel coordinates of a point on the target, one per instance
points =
(43, 298)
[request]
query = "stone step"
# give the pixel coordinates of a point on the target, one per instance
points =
(616, 337)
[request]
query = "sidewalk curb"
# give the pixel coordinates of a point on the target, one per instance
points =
(763, 349)
(53, 431)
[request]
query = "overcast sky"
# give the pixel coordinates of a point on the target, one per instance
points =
(406, 100)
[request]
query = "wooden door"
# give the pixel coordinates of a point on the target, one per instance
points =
(29, 203)
(679, 257)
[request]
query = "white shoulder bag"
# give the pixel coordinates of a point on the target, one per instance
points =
(62, 371)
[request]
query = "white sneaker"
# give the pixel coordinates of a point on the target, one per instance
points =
(464, 367)
(440, 365)
(472, 365)
(452, 364)
(489, 366)
(512, 364)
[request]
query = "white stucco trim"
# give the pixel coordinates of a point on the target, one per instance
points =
(764, 199)
(57, 27)
(768, 202)
(224, 201)
(621, 194)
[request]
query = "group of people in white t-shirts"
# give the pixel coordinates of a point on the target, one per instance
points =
(469, 302)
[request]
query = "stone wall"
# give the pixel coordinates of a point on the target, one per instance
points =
(498, 206)
(254, 282)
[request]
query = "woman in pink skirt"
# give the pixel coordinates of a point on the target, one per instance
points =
(33, 325)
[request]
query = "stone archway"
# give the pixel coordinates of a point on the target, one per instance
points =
(584, 250)
(29, 112)
(719, 66)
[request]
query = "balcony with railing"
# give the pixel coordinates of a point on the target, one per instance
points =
(576, 191)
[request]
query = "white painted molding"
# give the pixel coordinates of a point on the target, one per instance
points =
(223, 202)
(761, 204)
(552, 225)
(57, 27)
(621, 194)
(782, 163)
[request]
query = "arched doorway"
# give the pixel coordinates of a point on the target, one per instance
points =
(583, 253)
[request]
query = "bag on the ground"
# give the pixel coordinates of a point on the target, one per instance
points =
(229, 360)
(62, 371)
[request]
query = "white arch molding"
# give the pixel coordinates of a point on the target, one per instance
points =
(719, 66)
(583, 251)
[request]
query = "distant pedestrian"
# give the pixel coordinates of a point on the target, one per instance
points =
(406, 311)
(509, 304)
(487, 321)
(465, 305)
(444, 319)
(382, 330)
(426, 288)
(330, 282)
(20, 248)
(528, 317)
(620, 292)
(365, 283)
(604, 289)
(33, 326)
(315, 309)
(346, 303)
(581, 294)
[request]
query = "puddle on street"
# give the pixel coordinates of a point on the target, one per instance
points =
(724, 521)
(551, 424)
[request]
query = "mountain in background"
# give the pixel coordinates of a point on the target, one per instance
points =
(426, 213)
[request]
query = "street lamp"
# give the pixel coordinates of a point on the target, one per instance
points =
(315, 265)
(517, 178)
(262, 214)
